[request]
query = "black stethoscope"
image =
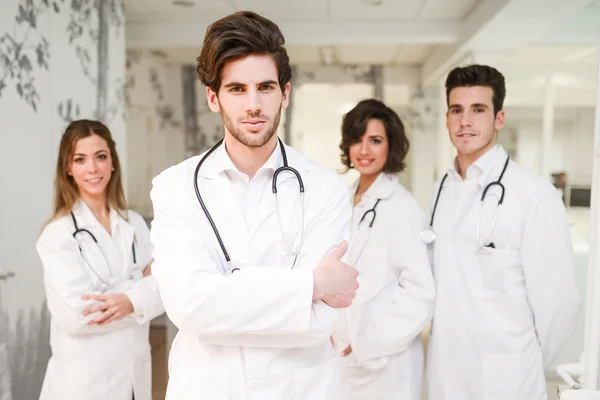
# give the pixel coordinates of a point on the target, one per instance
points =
(369, 211)
(285, 167)
(104, 283)
(428, 235)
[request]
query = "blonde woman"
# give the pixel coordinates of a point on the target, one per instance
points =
(101, 294)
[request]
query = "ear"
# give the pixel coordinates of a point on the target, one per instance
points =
(285, 101)
(499, 122)
(213, 101)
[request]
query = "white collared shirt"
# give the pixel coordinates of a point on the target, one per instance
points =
(249, 192)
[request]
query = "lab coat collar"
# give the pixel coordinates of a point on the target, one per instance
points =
(219, 162)
(382, 187)
(86, 219)
(490, 164)
(483, 166)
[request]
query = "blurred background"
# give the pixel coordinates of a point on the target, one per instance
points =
(131, 64)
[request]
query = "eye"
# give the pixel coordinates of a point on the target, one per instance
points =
(265, 88)
(455, 111)
(102, 157)
(376, 141)
(479, 110)
(236, 89)
(79, 160)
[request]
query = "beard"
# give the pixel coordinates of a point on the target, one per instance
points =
(255, 139)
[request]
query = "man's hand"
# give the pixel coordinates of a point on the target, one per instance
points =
(112, 306)
(334, 281)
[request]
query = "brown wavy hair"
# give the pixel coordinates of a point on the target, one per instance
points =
(66, 192)
(237, 36)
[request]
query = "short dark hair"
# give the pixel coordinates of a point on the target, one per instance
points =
(478, 75)
(237, 36)
(354, 126)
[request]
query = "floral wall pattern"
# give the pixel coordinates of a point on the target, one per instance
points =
(59, 60)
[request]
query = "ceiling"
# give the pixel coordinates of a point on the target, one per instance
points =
(527, 39)
(305, 10)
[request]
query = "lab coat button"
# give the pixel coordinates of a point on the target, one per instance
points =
(253, 384)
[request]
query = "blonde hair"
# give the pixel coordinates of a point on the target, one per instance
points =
(66, 192)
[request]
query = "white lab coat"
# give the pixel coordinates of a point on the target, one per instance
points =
(97, 362)
(502, 314)
(254, 334)
(395, 300)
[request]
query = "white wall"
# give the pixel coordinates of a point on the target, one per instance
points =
(317, 119)
(572, 148)
(56, 86)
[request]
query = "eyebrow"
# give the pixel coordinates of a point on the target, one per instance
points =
(472, 105)
(238, 84)
(98, 152)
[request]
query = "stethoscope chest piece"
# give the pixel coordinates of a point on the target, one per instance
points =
(428, 235)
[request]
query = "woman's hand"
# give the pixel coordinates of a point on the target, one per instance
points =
(112, 307)
(347, 351)
(148, 269)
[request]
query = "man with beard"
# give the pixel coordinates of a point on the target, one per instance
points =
(252, 278)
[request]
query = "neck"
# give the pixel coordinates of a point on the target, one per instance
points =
(365, 183)
(464, 161)
(248, 160)
(97, 204)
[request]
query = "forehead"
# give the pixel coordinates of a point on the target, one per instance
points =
(375, 127)
(250, 69)
(90, 144)
(467, 95)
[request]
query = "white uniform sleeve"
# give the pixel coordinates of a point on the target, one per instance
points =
(548, 265)
(257, 306)
(392, 327)
(144, 294)
(66, 281)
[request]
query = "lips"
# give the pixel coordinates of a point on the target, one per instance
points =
(94, 181)
(364, 161)
(254, 124)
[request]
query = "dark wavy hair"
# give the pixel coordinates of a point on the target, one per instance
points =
(354, 126)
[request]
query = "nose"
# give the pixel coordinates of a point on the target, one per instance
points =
(465, 119)
(364, 147)
(252, 102)
(92, 166)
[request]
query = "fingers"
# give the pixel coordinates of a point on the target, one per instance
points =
(346, 351)
(117, 315)
(339, 251)
(103, 317)
(97, 308)
(97, 297)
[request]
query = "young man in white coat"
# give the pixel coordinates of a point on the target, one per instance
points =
(506, 293)
(251, 278)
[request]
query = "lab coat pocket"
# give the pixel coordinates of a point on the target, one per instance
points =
(496, 266)
(76, 380)
(320, 382)
(513, 376)
(189, 383)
